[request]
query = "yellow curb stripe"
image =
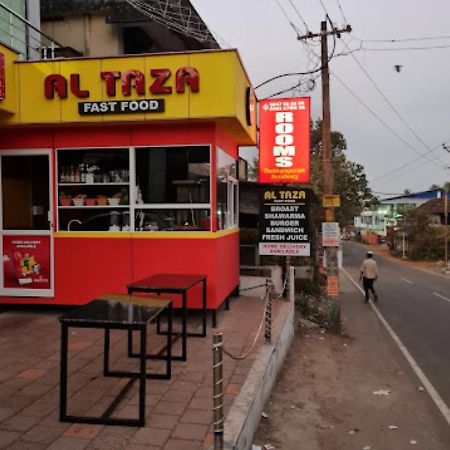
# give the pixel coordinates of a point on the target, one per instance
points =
(146, 234)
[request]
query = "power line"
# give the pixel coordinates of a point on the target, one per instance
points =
(404, 39)
(299, 15)
(402, 49)
(287, 17)
(342, 11)
(407, 164)
(380, 119)
(386, 99)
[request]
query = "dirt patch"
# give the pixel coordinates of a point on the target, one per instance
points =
(302, 408)
(349, 391)
(429, 266)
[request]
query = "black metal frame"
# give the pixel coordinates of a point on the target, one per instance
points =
(142, 375)
(184, 333)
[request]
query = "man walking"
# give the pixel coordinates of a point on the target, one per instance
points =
(369, 273)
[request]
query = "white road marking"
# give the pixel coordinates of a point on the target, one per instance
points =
(441, 405)
(441, 296)
(407, 281)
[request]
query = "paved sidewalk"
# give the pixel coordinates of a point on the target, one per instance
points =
(178, 411)
(351, 392)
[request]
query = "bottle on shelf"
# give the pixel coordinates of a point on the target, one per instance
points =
(62, 175)
(77, 175)
(82, 173)
(72, 175)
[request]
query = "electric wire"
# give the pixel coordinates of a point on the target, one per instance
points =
(406, 164)
(342, 11)
(388, 101)
(380, 119)
(287, 17)
(402, 40)
(299, 15)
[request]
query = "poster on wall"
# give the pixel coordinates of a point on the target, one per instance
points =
(284, 222)
(26, 262)
(284, 136)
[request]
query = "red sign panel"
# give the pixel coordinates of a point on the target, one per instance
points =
(284, 128)
(26, 262)
(2, 77)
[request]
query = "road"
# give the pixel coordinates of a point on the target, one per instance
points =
(416, 304)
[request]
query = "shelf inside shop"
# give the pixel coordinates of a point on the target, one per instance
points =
(124, 183)
(93, 206)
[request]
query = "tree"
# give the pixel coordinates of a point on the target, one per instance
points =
(350, 180)
(407, 192)
(433, 187)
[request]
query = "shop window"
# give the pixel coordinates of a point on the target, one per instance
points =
(172, 219)
(172, 188)
(94, 189)
(227, 191)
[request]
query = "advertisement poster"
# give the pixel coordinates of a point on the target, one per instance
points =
(26, 262)
(284, 222)
(330, 234)
(284, 128)
(332, 286)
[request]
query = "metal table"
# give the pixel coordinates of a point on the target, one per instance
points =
(174, 284)
(116, 311)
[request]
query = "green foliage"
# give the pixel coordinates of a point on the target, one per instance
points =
(350, 180)
(425, 240)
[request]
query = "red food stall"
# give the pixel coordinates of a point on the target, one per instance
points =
(113, 169)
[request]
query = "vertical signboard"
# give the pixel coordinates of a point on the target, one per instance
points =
(284, 129)
(284, 222)
(2, 77)
(26, 262)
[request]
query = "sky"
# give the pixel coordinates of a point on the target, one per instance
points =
(389, 118)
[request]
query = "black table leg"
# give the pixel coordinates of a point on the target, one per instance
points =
(63, 374)
(184, 328)
(169, 342)
(143, 375)
(204, 307)
(106, 353)
(214, 318)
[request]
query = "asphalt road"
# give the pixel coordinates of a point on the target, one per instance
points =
(416, 304)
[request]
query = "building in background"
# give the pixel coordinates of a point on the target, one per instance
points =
(19, 25)
(97, 28)
(373, 224)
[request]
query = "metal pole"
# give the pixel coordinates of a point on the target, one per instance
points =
(268, 314)
(218, 390)
(445, 230)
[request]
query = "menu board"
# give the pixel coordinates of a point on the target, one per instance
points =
(284, 222)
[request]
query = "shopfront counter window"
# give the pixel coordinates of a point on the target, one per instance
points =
(173, 188)
(134, 189)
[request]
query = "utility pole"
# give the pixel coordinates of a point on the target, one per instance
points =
(446, 268)
(327, 157)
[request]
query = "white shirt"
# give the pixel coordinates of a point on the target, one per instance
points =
(369, 269)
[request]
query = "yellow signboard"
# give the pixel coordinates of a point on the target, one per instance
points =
(209, 85)
(329, 215)
(331, 201)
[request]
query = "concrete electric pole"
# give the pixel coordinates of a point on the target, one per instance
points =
(327, 157)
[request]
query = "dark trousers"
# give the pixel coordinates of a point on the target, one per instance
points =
(368, 286)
